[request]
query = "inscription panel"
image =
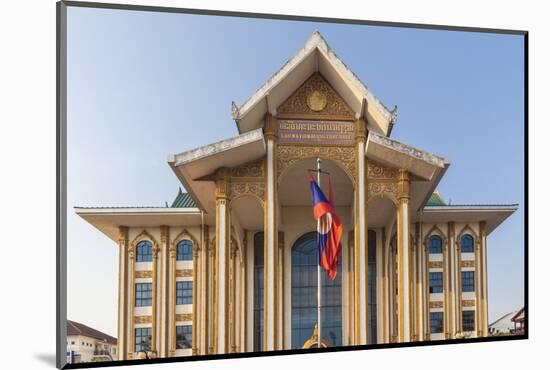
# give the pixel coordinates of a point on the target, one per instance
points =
(316, 132)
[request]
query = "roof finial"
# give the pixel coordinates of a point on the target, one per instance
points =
(234, 110)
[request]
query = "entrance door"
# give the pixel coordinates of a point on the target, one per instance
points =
(304, 295)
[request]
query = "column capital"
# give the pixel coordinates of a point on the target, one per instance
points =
(222, 183)
(123, 235)
(270, 127)
(164, 234)
(403, 186)
(482, 229)
(360, 130)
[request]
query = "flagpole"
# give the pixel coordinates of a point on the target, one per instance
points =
(318, 264)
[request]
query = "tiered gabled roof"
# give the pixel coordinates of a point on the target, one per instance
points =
(315, 56)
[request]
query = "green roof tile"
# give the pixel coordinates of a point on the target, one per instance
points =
(436, 200)
(183, 200)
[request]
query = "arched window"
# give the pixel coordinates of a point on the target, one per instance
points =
(258, 291)
(144, 251)
(185, 250)
(467, 244)
(304, 295)
(436, 244)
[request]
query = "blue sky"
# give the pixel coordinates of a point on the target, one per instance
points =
(143, 85)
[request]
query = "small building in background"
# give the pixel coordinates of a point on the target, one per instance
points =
(504, 325)
(85, 344)
(519, 322)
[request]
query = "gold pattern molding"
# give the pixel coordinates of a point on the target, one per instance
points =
(184, 273)
(437, 304)
(469, 303)
(467, 263)
(143, 319)
(435, 264)
(315, 99)
(184, 317)
(143, 274)
(287, 155)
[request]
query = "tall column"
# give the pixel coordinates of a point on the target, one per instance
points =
(164, 291)
(155, 305)
(222, 255)
(351, 277)
(403, 257)
(280, 290)
(205, 288)
(270, 240)
(233, 298)
(418, 279)
(452, 315)
(195, 328)
(211, 297)
(361, 250)
(122, 292)
(477, 285)
(483, 264)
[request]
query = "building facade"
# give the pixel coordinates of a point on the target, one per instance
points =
(230, 266)
(86, 344)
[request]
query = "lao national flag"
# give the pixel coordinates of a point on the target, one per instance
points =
(329, 231)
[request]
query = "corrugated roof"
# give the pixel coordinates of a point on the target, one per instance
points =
(76, 328)
(183, 200)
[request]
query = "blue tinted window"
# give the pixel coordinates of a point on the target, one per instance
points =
(436, 244)
(144, 294)
(185, 250)
(144, 251)
(468, 281)
(436, 282)
(467, 244)
(184, 292)
(304, 295)
(184, 336)
(468, 320)
(142, 340)
(258, 291)
(436, 322)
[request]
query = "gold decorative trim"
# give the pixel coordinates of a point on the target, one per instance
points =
(184, 317)
(469, 303)
(376, 171)
(315, 99)
(143, 319)
(435, 264)
(143, 274)
(184, 273)
(344, 157)
(470, 263)
(436, 304)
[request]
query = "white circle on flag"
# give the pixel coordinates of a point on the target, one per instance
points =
(325, 223)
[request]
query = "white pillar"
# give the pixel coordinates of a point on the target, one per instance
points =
(485, 296)
(222, 254)
(270, 232)
(164, 292)
(361, 306)
(403, 258)
(122, 295)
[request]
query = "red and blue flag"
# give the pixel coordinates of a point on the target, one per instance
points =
(329, 231)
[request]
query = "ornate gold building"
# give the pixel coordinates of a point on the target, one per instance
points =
(230, 266)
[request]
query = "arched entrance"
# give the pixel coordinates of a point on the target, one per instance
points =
(304, 295)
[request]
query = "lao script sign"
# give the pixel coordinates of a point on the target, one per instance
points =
(316, 132)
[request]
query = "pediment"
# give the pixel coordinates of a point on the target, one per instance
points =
(315, 99)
